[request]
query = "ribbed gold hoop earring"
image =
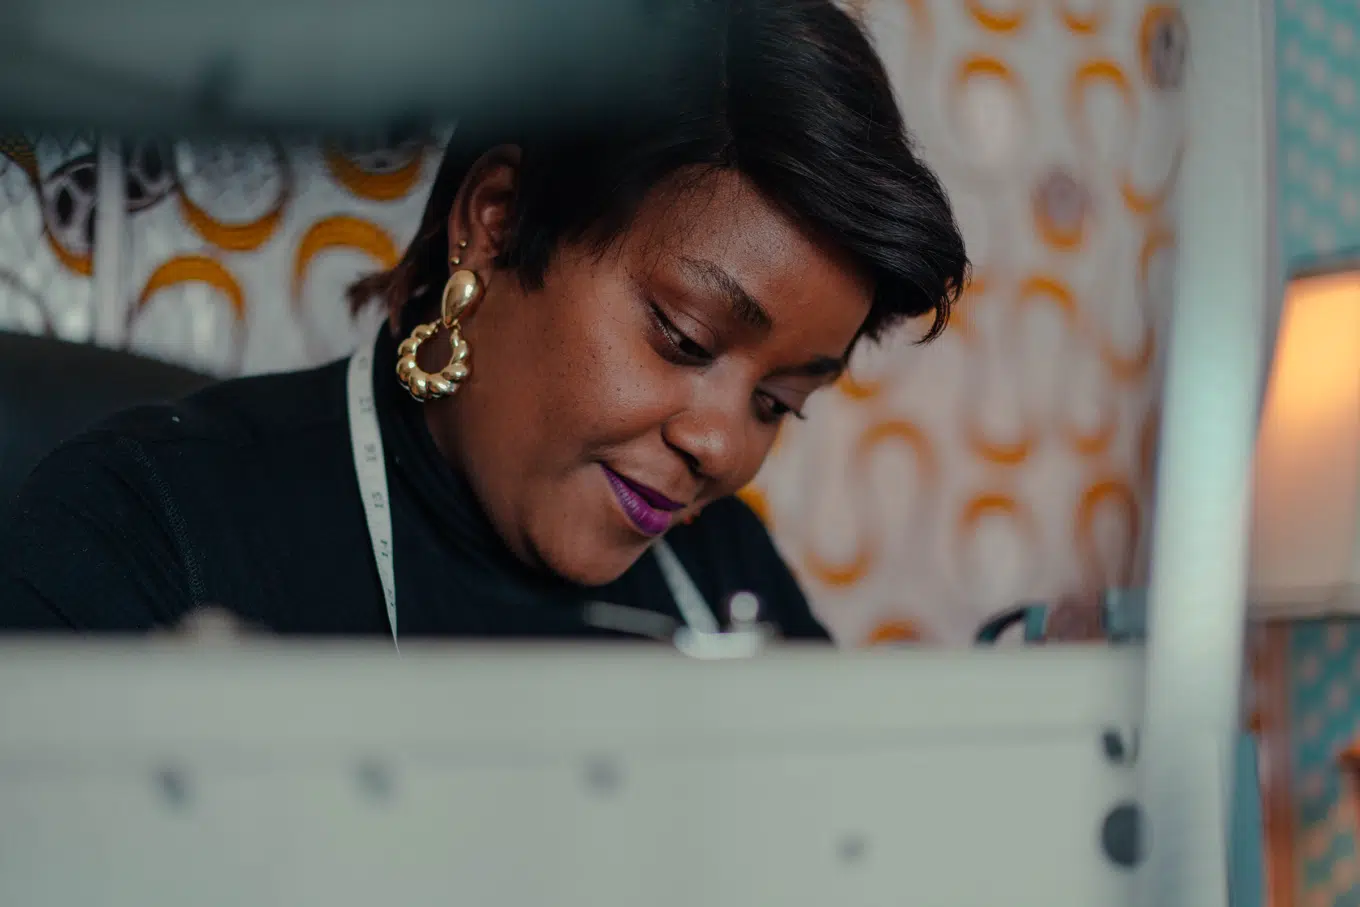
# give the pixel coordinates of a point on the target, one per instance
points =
(462, 292)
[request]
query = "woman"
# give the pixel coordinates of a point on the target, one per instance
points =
(616, 322)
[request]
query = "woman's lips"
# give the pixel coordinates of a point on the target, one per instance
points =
(647, 509)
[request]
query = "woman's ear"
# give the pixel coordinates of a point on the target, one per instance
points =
(482, 211)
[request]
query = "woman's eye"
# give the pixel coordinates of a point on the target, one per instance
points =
(685, 348)
(686, 351)
(771, 410)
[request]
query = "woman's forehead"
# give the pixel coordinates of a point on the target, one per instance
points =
(722, 227)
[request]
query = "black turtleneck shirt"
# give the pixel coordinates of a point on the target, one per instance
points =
(244, 497)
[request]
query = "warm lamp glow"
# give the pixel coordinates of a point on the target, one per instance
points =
(1306, 525)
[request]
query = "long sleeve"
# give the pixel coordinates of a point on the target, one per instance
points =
(92, 544)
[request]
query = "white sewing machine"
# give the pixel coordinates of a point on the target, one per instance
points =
(603, 777)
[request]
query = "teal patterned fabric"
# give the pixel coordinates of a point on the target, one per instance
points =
(1324, 708)
(1317, 56)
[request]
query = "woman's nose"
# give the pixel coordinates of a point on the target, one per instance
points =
(711, 437)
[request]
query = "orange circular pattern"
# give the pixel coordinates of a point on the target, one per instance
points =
(374, 185)
(341, 232)
(1162, 21)
(1002, 22)
(1152, 200)
(194, 269)
(1084, 24)
(895, 632)
(1121, 494)
(1089, 74)
(246, 235)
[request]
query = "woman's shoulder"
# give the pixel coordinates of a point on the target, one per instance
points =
(238, 411)
(253, 432)
(224, 423)
(132, 511)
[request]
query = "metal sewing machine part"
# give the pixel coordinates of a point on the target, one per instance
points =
(1123, 617)
(744, 637)
(210, 625)
(742, 611)
(1126, 615)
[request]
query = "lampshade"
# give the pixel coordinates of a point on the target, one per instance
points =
(1306, 523)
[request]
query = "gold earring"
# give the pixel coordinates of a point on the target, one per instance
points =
(462, 292)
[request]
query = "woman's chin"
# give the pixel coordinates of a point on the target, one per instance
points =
(589, 558)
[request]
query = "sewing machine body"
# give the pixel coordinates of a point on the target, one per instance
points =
(603, 777)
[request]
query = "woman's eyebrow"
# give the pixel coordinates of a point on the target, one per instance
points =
(747, 310)
(717, 280)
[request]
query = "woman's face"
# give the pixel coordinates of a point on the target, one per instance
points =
(638, 385)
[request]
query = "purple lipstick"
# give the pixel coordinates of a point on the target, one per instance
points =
(647, 509)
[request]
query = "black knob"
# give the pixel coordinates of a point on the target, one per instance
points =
(1121, 835)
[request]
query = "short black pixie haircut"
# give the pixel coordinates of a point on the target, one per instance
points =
(790, 94)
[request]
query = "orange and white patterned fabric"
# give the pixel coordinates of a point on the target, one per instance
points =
(1012, 458)
(244, 269)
